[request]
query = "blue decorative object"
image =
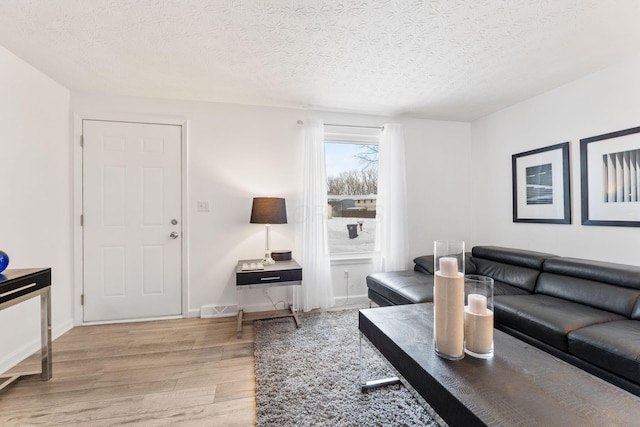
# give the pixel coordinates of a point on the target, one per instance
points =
(4, 261)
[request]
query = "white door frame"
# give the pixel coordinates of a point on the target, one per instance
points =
(77, 200)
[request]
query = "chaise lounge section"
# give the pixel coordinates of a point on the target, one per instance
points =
(584, 312)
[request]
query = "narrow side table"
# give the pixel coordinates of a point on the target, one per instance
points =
(282, 273)
(19, 285)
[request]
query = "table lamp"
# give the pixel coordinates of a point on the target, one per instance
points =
(267, 211)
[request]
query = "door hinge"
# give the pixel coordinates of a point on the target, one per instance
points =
(81, 140)
(82, 299)
(81, 220)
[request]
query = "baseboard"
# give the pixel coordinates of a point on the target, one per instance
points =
(211, 311)
(193, 312)
(12, 359)
(138, 320)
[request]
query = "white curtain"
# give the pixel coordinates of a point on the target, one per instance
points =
(317, 291)
(392, 232)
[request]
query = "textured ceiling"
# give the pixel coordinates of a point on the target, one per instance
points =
(444, 59)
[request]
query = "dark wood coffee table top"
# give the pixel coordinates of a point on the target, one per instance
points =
(520, 386)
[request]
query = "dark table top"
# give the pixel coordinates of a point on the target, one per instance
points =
(15, 283)
(278, 266)
(520, 385)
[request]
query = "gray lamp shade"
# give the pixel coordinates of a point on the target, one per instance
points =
(268, 210)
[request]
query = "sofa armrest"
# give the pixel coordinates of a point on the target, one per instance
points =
(424, 264)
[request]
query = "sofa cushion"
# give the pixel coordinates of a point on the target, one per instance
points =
(520, 277)
(627, 276)
(635, 314)
(402, 287)
(614, 346)
(600, 295)
(519, 257)
(515, 267)
(501, 288)
(425, 263)
(547, 318)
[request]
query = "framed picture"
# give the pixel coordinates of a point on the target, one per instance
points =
(610, 175)
(540, 181)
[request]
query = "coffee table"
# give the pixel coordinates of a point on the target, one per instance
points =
(520, 385)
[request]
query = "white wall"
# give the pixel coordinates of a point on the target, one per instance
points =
(238, 152)
(35, 190)
(438, 162)
(234, 153)
(600, 103)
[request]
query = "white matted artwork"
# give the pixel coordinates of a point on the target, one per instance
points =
(541, 191)
(610, 173)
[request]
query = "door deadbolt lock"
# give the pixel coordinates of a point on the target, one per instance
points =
(174, 221)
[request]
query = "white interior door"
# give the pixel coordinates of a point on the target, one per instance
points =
(132, 228)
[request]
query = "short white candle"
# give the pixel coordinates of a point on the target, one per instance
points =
(477, 304)
(448, 266)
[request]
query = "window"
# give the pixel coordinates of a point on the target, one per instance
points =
(351, 156)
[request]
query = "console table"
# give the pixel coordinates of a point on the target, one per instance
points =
(16, 286)
(282, 273)
(520, 385)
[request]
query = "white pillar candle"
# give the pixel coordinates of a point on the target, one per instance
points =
(477, 303)
(449, 266)
(448, 300)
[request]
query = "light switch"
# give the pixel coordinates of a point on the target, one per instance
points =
(203, 206)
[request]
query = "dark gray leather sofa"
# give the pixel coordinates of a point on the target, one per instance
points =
(584, 312)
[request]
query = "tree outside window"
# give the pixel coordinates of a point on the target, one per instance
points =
(352, 188)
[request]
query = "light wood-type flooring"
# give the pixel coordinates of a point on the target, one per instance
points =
(192, 372)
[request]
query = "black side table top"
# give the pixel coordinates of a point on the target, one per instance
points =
(282, 273)
(15, 283)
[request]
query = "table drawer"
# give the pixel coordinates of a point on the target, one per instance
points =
(259, 277)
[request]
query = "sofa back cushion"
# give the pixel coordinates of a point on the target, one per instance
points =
(607, 286)
(520, 277)
(515, 267)
(519, 257)
(635, 314)
(627, 276)
(425, 264)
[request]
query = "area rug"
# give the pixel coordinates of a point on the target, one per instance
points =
(310, 376)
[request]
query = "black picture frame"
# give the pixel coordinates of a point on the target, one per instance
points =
(541, 185)
(597, 154)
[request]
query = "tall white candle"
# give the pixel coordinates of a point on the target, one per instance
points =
(449, 266)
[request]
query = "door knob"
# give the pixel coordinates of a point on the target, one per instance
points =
(174, 235)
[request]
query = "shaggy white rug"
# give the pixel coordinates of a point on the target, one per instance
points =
(310, 376)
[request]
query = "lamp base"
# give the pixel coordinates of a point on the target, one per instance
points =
(267, 259)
